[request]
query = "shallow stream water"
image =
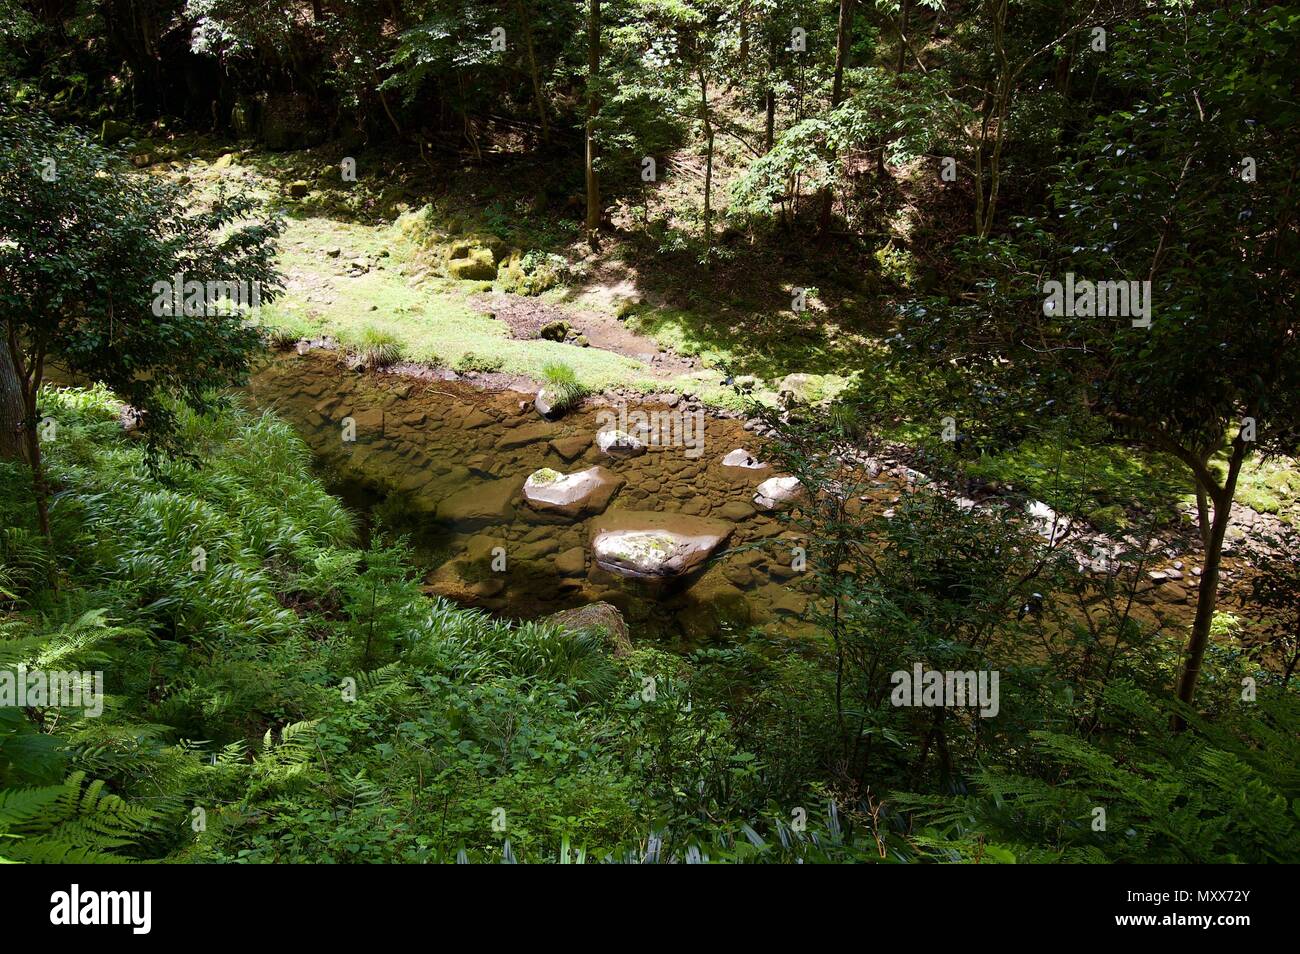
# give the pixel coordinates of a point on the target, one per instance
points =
(445, 463)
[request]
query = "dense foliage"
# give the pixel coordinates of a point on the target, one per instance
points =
(295, 698)
(882, 192)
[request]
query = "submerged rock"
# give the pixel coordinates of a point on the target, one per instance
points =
(777, 493)
(655, 545)
(571, 562)
(587, 491)
(525, 434)
(483, 502)
(570, 448)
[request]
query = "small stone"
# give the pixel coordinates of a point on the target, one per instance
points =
(735, 510)
(619, 444)
(571, 562)
(542, 402)
(744, 459)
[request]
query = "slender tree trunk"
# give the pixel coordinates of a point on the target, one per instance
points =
(26, 374)
(41, 488)
(707, 122)
(769, 126)
(843, 42)
(593, 76)
(1208, 594)
(903, 10)
(532, 69)
(744, 34)
(12, 409)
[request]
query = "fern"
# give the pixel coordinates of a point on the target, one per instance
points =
(73, 823)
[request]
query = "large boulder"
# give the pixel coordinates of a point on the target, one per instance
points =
(584, 492)
(476, 266)
(474, 257)
(600, 617)
(795, 389)
(777, 493)
(653, 545)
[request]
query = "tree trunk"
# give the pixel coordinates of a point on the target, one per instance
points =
(769, 126)
(843, 40)
(1208, 592)
(708, 166)
(903, 10)
(532, 69)
(744, 34)
(41, 488)
(593, 75)
(12, 409)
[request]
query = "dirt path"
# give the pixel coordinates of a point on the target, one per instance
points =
(527, 316)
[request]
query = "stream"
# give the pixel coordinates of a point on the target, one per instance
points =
(445, 463)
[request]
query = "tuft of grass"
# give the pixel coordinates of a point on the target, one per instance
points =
(376, 347)
(562, 385)
(283, 330)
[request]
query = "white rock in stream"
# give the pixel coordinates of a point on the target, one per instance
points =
(619, 444)
(587, 491)
(743, 458)
(655, 544)
(1047, 523)
(777, 493)
(544, 406)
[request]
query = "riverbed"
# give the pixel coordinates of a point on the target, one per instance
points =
(444, 462)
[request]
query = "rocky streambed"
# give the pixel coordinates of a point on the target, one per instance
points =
(525, 516)
(666, 512)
